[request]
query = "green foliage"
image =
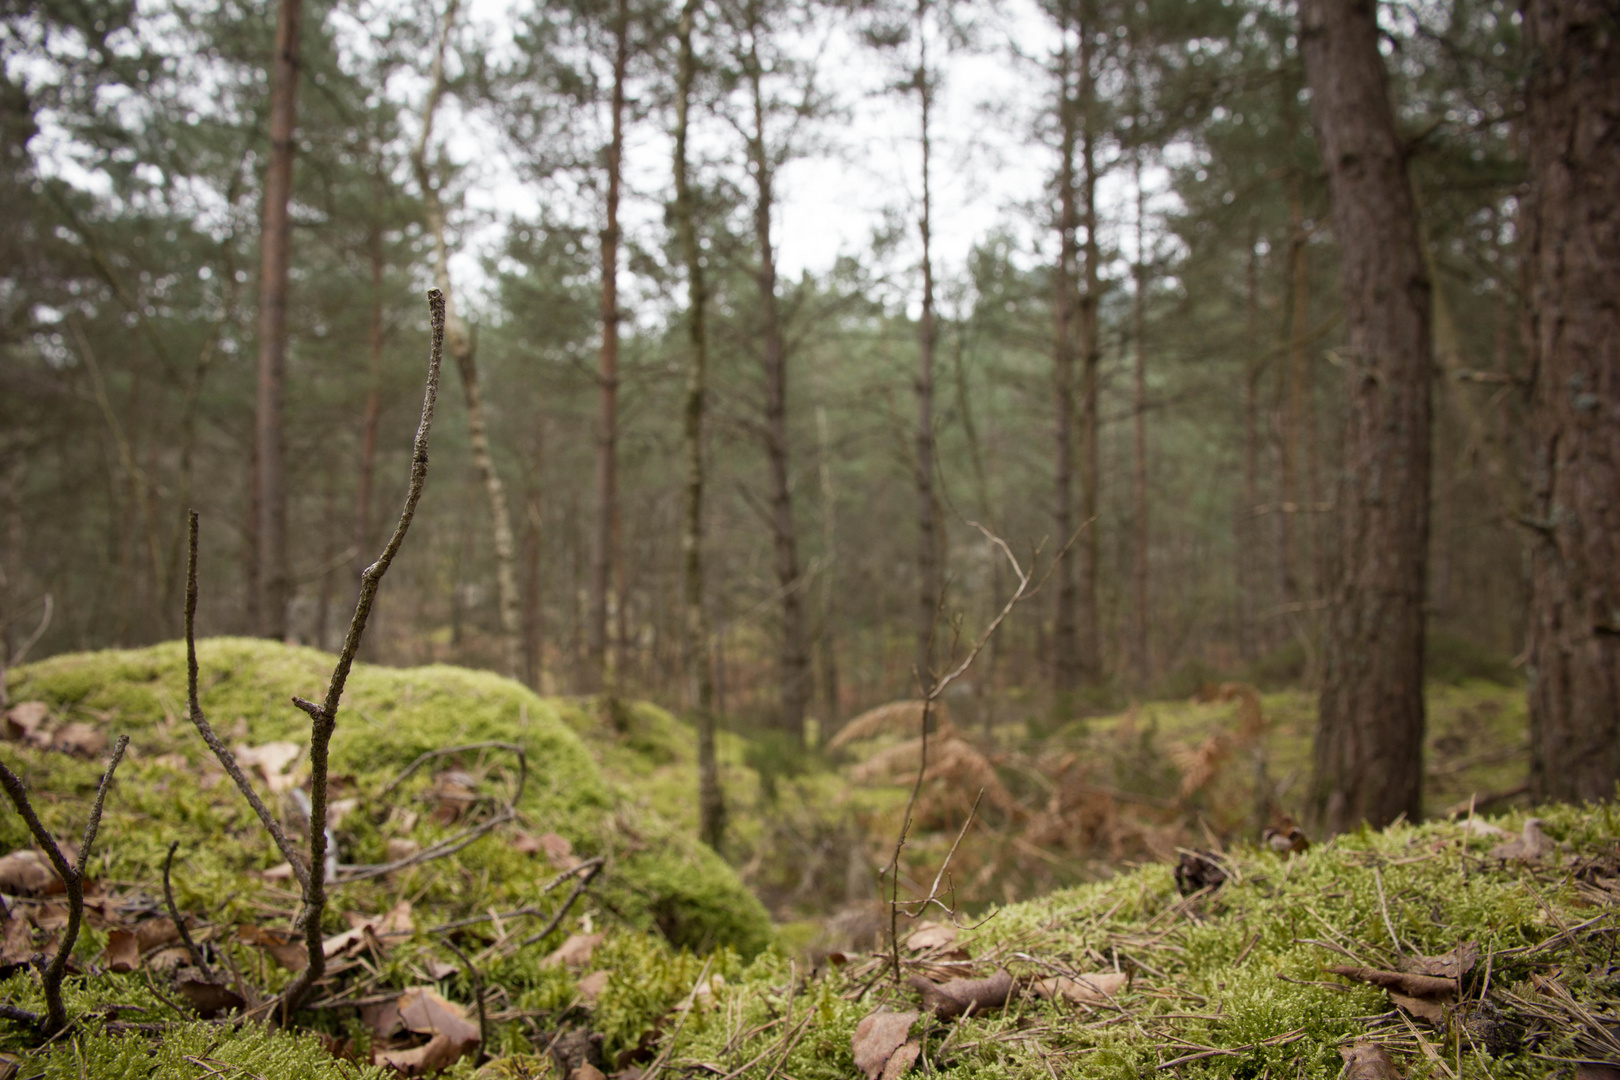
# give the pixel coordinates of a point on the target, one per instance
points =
(201, 1052)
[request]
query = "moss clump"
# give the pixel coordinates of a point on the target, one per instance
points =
(658, 875)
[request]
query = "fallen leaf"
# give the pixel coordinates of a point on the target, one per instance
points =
(1430, 1009)
(878, 1037)
(1084, 989)
(17, 942)
(587, 1071)
(1406, 982)
(902, 1059)
(25, 721)
(931, 936)
(1530, 846)
(123, 953)
(1448, 965)
(28, 873)
(1368, 1061)
(284, 872)
(155, 933)
(955, 996)
(439, 970)
(286, 949)
(208, 998)
(383, 1018)
(80, 740)
(1481, 827)
(592, 985)
(438, 1054)
(575, 952)
(401, 848)
(169, 958)
(49, 916)
(339, 809)
(272, 760)
(424, 1012)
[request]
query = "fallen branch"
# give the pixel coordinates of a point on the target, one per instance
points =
(72, 877)
(180, 923)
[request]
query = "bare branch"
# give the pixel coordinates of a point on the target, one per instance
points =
(174, 913)
(72, 877)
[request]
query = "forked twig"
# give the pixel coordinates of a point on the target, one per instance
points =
(323, 715)
(180, 923)
(72, 877)
(478, 996)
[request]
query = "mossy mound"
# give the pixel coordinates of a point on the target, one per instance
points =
(658, 877)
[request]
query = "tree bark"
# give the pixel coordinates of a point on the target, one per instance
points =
(534, 536)
(826, 639)
(271, 580)
(699, 670)
(1247, 533)
(604, 547)
(373, 408)
(928, 537)
(1572, 248)
(1369, 744)
(461, 350)
(1139, 501)
(794, 659)
(1089, 640)
(1065, 629)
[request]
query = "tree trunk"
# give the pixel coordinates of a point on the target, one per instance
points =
(604, 548)
(533, 584)
(461, 350)
(373, 410)
(271, 580)
(794, 661)
(1139, 509)
(1065, 630)
(700, 673)
(1369, 743)
(1089, 640)
(1572, 248)
(928, 537)
(1250, 637)
(827, 641)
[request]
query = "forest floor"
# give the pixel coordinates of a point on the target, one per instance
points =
(1089, 960)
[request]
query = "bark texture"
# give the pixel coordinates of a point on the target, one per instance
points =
(929, 576)
(794, 659)
(1572, 248)
(604, 540)
(1369, 744)
(1065, 628)
(1089, 640)
(272, 584)
(700, 673)
(461, 350)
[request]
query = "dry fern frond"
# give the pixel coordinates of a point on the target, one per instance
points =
(1251, 721)
(1201, 764)
(901, 717)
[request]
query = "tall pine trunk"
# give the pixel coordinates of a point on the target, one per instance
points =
(1369, 743)
(1572, 248)
(272, 583)
(700, 672)
(461, 350)
(794, 660)
(1089, 632)
(605, 537)
(1139, 500)
(1065, 629)
(929, 578)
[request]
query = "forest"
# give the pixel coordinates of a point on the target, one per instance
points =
(1105, 432)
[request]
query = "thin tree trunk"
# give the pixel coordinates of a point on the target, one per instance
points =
(461, 350)
(1250, 637)
(700, 672)
(373, 409)
(1139, 515)
(1066, 669)
(534, 625)
(604, 550)
(1369, 744)
(984, 681)
(1572, 252)
(827, 641)
(271, 580)
(794, 661)
(1089, 641)
(329, 559)
(928, 538)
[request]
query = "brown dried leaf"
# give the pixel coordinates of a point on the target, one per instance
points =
(208, 998)
(167, 959)
(1368, 1061)
(123, 953)
(955, 996)
(29, 873)
(877, 1038)
(49, 916)
(1084, 990)
(17, 943)
(587, 1071)
(383, 1018)
(931, 936)
(80, 740)
(1406, 982)
(25, 722)
(425, 1012)
(1430, 1009)
(1530, 846)
(437, 1055)
(155, 933)
(575, 952)
(592, 985)
(1448, 965)
(284, 948)
(903, 1059)
(401, 848)
(272, 760)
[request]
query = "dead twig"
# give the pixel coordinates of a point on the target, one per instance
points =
(595, 867)
(478, 997)
(12, 659)
(72, 877)
(179, 923)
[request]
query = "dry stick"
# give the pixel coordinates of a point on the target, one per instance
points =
(562, 912)
(448, 846)
(518, 913)
(289, 850)
(478, 996)
(691, 1003)
(72, 877)
(21, 652)
(323, 717)
(492, 744)
(179, 923)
